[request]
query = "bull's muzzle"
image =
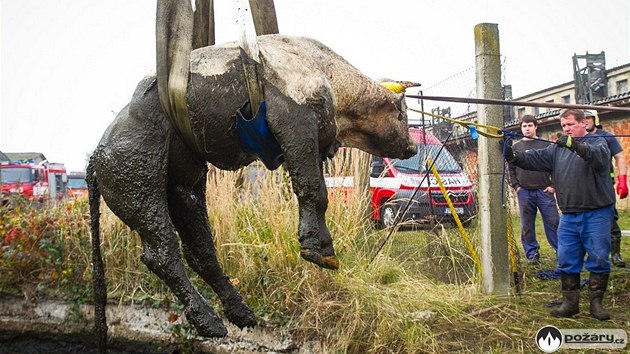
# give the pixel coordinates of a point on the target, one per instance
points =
(412, 150)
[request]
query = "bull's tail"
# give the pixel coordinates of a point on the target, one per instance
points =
(98, 271)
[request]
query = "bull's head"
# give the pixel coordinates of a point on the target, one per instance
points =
(379, 128)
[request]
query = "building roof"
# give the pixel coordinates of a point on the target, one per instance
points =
(4, 158)
(37, 157)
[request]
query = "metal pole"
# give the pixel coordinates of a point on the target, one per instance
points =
(494, 246)
(520, 103)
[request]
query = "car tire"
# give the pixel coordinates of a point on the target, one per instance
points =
(387, 215)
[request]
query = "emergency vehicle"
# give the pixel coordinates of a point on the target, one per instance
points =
(77, 187)
(37, 182)
(393, 184)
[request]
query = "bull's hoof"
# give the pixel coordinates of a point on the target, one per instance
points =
(237, 311)
(212, 332)
(312, 256)
(206, 323)
(328, 262)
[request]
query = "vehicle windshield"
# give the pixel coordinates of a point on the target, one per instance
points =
(76, 183)
(445, 163)
(16, 175)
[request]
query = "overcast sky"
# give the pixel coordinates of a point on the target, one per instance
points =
(68, 66)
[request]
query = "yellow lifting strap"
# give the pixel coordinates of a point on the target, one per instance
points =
(498, 132)
(460, 227)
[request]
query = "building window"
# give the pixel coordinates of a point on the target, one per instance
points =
(548, 108)
(536, 111)
(622, 86)
(521, 112)
(566, 99)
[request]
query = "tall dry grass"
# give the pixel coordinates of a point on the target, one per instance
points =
(414, 296)
(365, 307)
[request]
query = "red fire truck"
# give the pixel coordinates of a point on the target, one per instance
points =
(37, 182)
(77, 187)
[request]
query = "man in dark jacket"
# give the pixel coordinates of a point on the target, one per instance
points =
(580, 167)
(535, 192)
(592, 126)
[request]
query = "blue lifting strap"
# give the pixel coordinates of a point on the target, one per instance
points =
(256, 138)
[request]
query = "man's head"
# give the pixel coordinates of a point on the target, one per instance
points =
(573, 122)
(529, 124)
(591, 120)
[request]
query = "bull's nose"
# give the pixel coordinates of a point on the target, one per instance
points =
(412, 149)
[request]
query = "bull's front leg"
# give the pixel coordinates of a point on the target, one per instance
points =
(296, 129)
(315, 240)
(303, 162)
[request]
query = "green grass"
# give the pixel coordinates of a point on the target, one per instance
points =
(624, 219)
(419, 294)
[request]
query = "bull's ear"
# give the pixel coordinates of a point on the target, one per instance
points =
(401, 102)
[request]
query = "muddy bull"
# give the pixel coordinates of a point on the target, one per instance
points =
(155, 181)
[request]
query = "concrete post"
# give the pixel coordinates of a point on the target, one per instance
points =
(494, 244)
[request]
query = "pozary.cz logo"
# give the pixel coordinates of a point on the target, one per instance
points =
(549, 338)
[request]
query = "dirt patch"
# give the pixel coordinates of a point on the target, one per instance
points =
(55, 326)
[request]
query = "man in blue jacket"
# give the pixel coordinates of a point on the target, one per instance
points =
(580, 166)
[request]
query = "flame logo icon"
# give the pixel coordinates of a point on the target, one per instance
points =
(549, 339)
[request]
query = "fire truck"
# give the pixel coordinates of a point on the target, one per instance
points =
(38, 182)
(77, 187)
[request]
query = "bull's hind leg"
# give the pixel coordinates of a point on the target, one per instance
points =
(187, 202)
(161, 254)
(132, 171)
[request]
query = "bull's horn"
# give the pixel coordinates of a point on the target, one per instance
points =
(398, 86)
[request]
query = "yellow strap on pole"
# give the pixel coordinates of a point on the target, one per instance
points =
(497, 135)
(460, 227)
(511, 243)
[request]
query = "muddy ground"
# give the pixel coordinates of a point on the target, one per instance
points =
(53, 326)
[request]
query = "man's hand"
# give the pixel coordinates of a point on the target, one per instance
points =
(622, 186)
(567, 142)
(508, 152)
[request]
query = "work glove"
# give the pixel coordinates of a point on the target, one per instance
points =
(622, 186)
(567, 142)
(508, 152)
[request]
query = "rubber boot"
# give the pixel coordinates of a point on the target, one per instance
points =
(596, 289)
(615, 252)
(570, 296)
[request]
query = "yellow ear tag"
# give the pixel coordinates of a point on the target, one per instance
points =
(393, 86)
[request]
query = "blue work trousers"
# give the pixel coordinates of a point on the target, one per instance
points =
(585, 233)
(529, 202)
